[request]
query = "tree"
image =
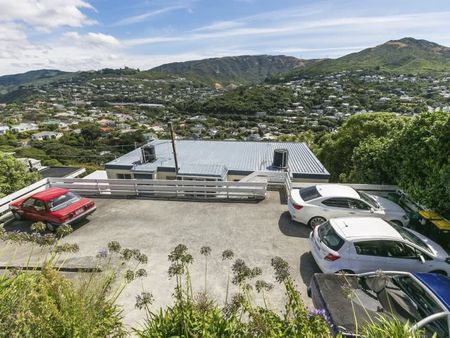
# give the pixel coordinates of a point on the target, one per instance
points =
(14, 175)
(336, 149)
(90, 132)
(422, 152)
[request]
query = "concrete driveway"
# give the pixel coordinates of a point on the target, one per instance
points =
(255, 232)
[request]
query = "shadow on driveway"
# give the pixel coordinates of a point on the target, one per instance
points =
(25, 225)
(290, 228)
(308, 267)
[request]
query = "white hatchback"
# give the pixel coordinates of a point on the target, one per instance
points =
(357, 245)
(316, 204)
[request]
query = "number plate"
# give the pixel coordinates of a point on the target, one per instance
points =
(79, 211)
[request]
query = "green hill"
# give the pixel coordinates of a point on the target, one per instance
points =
(407, 56)
(234, 69)
(10, 82)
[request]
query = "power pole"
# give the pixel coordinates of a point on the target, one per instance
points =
(172, 136)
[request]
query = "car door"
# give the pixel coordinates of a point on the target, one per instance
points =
(367, 256)
(335, 207)
(404, 257)
(27, 209)
(40, 211)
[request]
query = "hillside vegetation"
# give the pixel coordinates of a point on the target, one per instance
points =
(15, 80)
(406, 55)
(234, 69)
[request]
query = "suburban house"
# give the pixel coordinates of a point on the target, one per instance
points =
(23, 127)
(4, 130)
(217, 161)
(46, 135)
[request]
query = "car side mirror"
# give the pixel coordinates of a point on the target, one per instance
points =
(422, 259)
(372, 210)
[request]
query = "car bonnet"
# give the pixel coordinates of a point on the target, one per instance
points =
(439, 285)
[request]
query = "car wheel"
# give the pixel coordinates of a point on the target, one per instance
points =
(315, 221)
(397, 223)
(439, 272)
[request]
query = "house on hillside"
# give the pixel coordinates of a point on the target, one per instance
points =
(24, 127)
(46, 135)
(217, 161)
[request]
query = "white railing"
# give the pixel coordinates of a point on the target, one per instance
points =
(163, 188)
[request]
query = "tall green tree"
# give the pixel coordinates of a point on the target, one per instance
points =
(14, 175)
(337, 149)
(422, 152)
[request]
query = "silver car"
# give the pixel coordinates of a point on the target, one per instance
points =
(316, 204)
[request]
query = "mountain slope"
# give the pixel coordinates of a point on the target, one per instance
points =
(406, 55)
(15, 80)
(234, 69)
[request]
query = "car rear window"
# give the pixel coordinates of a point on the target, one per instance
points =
(309, 193)
(329, 237)
(63, 201)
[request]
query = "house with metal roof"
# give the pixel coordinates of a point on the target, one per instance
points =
(217, 160)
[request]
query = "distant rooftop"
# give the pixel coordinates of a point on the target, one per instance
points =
(213, 158)
(67, 172)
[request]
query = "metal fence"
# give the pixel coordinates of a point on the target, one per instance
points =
(164, 188)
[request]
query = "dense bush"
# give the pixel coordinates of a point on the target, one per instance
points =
(14, 175)
(383, 148)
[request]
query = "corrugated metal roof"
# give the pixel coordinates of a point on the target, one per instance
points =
(191, 169)
(234, 155)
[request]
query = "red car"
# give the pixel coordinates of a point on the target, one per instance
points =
(53, 206)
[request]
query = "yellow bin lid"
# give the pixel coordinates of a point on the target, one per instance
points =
(429, 214)
(441, 224)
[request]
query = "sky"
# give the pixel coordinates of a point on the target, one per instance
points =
(75, 35)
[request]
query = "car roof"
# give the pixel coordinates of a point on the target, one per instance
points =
(438, 284)
(49, 193)
(337, 190)
(364, 228)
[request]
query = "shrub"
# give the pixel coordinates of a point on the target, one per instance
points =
(40, 302)
(201, 316)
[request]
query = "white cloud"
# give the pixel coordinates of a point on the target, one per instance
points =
(142, 17)
(353, 25)
(92, 39)
(45, 14)
(220, 25)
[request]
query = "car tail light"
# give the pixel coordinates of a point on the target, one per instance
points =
(330, 257)
(296, 206)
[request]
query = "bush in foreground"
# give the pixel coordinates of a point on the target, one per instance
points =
(37, 301)
(200, 316)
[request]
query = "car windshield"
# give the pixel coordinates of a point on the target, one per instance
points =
(63, 201)
(368, 199)
(404, 297)
(309, 193)
(410, 237)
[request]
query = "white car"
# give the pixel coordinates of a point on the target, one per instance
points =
(364, 244)
(318, 203)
